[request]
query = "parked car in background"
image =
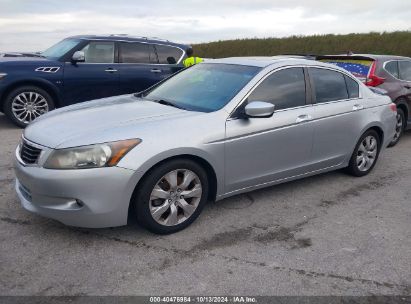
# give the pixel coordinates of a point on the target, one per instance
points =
(214, 130)
(390, 73)
(82, 68)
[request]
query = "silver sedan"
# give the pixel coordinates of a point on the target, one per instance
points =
(214, 130)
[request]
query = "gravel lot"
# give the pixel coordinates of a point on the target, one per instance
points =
(326, 235)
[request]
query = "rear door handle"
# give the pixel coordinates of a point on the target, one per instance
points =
(357, 107)
(303, 118)
(155, 71)
(110, 70)
(407, 86)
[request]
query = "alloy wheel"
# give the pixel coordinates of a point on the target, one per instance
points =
(367, 153)
(175, 197)
(398, 127)
(27, 106)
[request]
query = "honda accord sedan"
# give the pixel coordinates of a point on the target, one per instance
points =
(211, 131)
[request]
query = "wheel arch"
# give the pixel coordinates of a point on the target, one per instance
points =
(41, 83)
(205, 164)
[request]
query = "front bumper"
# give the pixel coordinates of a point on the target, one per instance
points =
(91, 198)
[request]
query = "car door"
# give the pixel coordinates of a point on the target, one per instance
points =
(138, 66)
(337, 116)
(169, 59)
(405, 76)
(261, 150)
(96, 77)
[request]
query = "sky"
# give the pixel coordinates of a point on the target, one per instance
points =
(34, 25)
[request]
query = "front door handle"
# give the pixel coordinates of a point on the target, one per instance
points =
(407, 86)
(357, 107)
(110, 70)
(303, 118)
(155, 71)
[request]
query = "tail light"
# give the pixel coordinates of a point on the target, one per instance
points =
(372, 79)
(393, 107)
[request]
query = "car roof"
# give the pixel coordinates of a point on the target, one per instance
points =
(265, 61)
(363, 56)
(127, 38)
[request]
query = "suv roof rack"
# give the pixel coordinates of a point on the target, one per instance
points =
(141, 37)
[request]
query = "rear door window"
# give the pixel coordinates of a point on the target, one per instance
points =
(168, 54)
(328, 85)
(392, 68)
(136, 52)
(352, 87)
(285, 89)
(405, 70)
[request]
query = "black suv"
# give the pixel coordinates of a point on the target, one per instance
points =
(83, 68)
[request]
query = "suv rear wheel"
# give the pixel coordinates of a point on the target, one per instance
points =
(24, 104)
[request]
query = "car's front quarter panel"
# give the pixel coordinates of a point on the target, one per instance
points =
(200, 136)
(44, 73)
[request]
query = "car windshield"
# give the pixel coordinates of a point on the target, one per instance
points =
(61, 48)
(205, 87)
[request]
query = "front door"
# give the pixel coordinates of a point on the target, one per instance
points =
(95, 78)
(262, 150)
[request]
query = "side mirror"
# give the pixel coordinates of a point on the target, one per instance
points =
(259, 109)
(78, 57)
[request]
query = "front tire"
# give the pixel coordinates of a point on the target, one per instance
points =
(365, 154)
(399, 127)
(24, 104)
(171, 196)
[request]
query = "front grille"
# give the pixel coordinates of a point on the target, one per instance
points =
(29, 154)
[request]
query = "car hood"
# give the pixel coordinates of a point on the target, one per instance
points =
(21, 57)
(97, 121)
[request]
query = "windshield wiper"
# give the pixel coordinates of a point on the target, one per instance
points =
(168, 103)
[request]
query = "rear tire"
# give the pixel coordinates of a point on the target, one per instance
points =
(365, 154)
(399, 127)
(171, 196)
(26, 103)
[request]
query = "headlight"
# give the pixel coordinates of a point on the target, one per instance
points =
(2, 75)
(93, 156)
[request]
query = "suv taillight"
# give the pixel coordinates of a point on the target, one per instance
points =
(372, 79)
(393, 107)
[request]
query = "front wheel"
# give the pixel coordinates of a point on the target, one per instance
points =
(365, 154)
(25, 104)
(172, 196)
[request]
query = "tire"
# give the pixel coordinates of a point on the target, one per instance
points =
(24, 104)
(155, 211)
(364, 153)
(399, 128)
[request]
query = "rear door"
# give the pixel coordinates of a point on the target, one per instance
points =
(404, 67)
(169, 59)
(97, 77)
(337, 111)
(137, 66)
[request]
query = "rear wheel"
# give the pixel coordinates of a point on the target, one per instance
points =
(399, 127)
(172, 196)
(365, 154)
(25, 104)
